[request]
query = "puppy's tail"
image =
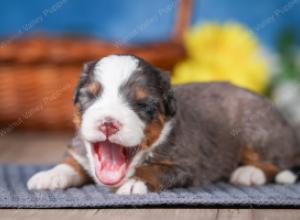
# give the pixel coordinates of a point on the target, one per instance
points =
(288, 176)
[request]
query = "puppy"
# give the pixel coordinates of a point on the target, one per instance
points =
(136, 134)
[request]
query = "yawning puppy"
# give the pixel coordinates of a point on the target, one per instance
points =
(137, 134)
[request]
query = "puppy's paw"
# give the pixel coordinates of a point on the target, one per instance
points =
(60, 177)
(286, 177)
(132, 186)
(248, 176)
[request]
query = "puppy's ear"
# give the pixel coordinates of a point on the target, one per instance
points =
(84, 78)
(170, 104)
(168, 94)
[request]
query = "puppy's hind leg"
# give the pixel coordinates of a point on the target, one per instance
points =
(66, 174)
(253, 171)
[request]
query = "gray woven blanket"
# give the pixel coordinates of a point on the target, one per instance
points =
(14, 194)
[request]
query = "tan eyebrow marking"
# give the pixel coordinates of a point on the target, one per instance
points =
(140, 93)
(94, 88)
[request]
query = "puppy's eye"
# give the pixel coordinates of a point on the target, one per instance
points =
(147, 108)
(86, 98)
(141, 103)
(90, 95)
(146, 103)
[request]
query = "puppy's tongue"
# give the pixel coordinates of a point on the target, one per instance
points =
(112, 163)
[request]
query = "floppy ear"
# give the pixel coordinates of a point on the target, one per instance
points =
(168, 95)
(170, 104)
(85, 76)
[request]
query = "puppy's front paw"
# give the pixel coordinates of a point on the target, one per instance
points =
(132, 186)
(248, 176)
(60, 177)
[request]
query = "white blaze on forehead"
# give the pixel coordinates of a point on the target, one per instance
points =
(112, 72)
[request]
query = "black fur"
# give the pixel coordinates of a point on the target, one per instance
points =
(296, 171)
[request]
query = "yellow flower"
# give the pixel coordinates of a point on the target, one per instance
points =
(222, 52)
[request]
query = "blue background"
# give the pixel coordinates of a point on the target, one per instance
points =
(141, 20)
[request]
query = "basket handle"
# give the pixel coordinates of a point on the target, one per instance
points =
(184, 11)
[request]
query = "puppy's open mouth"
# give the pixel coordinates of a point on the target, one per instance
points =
(112, 161)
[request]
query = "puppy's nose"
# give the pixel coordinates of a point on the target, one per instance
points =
(109, 128)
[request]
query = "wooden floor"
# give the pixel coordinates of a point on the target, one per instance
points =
(150, 214)
(35, 148)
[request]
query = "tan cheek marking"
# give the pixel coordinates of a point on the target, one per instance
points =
(69, 160)
(77, 116)
(251, 157)
(152, 131)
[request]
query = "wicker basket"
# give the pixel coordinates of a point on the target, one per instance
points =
(38, 73)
